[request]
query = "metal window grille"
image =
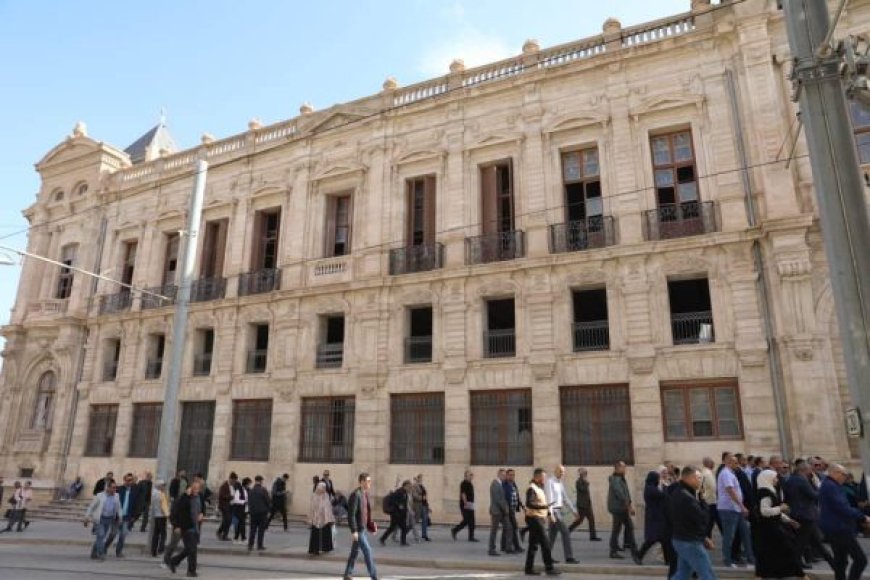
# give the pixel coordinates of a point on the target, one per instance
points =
(145, 433)
(327, 430)
(417, 429)
(501, 427)
(101, 430)
(252, 430)
(596, 424)
(701, 411)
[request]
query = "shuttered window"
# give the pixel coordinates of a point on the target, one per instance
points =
(417, 429)
(596, 425)
(214, 249)
(501, 427)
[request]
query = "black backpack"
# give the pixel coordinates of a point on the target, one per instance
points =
(389, 502)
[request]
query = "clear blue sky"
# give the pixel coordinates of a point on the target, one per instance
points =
(216, 64)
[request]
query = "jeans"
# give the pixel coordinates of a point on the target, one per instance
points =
(258, 529)
(559, 526)
(362, 544)
(122, 535)
(239, 522)
(692, 557)
(102, 529)
(843, 546)
(158, 536)
(622, 520)
(190, 539)
(734, 523)
(424, 521)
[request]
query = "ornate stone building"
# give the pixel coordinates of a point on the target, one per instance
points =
(583, 253)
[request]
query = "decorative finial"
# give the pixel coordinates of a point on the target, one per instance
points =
(530, 46)
(390, 84)
(254, 124)
(458, 65)
(611, 26)
(206, 138)
(80, 130)
(306, 109)
(163, 116)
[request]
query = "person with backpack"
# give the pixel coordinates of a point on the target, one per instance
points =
(397, 504)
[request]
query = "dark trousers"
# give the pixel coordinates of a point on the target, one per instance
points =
(584, 513)
(713, 519)
(279, 506)
(258, 529)
(398, 521)
(809, 542)
(145, 511)
(511, 542)
(467, 521)
(538, 539)
(240, 517)
(845, 546)
(174, 539)
(158, 536)
(622, 521)
(226, 518)
(190, 538)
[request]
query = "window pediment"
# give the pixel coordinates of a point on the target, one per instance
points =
(577, 120)
(664, 102)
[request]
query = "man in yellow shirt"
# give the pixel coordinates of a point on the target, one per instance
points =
(537, 515)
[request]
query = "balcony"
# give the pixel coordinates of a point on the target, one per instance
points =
(206, 289)
(418, 349)
(153, 369)
(691, 218)
(594, 232)
(256, 361)
(496, 247)
(118, 302)
(259, 282)
(591, 335)
(149, 300)
(330, 355)
(499, 343)
(202, 365)
(330, 270)
(692, 327)
(411, 259)
(110, 370)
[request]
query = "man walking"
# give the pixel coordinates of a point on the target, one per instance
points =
(620, 507)
(279, 499)
(127, 497)
(159, 508)
(420, 505)
(511, 544)
(708, 494)
(101, 483)
(399, 513)
(105, 513)
(143, 497)
(839, 522)
(732, 512)
(359, 520)
(225, 498)
(498, 512)
(688, 518)
(584, 505)
(178, 484)
(803, 500)
(186, 515)
(466, 507)
(560, 505)
(537, 512)
(259, 506)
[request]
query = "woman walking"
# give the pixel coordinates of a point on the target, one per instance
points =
(321, 520)
(654, 519)
(773, 538)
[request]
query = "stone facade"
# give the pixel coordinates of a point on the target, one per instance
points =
(613, 92)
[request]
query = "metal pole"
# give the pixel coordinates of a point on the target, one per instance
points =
(167, 449)
(839, 189)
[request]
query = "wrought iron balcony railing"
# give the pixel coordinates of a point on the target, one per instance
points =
(202, 365)
(692, 327)
(149, 301)
(500, 343)
(594, 232)
(256, 361)
(591, 335)
(330, 355)
(691, 218)
(418, 349)
(259, 282)
(153, 368)
(420, 258)
(495, 247)
(118, 302)
(206, 289)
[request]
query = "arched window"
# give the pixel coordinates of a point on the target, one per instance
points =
(57, 195)
(45, 389)
(81, 188)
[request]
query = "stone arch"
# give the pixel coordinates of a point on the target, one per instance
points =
(38, 368)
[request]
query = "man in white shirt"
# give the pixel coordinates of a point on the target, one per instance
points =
(732, 513)
(560, 505)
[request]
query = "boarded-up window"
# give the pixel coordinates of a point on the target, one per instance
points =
(327, 430)
(701, 410)
(170, 260)
(421, 211)
(497, 198)
(417, 428)
(101, 430)
(65, 277)
(252, 430)
(501, 427)
(145, 433)
(267, 229)
(214, 248)
(339, 217)
(596, 425)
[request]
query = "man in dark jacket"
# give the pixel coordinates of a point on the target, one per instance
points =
(359, 520)
(101, 484)
(584, 505)
(803, 500)
(279, 499)
(399, 513)
(839, 522)
(259, 506)
(178, 484)
(620, 507)
(143, 499)
(515, 504)
(185, 524)
(688, 516)
(466, 507)
(225, 498)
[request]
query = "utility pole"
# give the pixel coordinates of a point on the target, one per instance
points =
(167, 448)
(840, 192)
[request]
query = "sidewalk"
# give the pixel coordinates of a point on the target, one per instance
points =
(442, 553)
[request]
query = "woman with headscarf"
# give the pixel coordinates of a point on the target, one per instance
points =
(654, 519)
(321, 520)
(776, 554)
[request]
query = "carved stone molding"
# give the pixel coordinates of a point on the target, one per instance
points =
(642, 362)
(803, 348)
(794, 267)
(752, 355)
(543, 367)
(454, 374)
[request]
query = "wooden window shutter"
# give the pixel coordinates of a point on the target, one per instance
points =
(429, 219)
(329, 237)
(489, 200)
(220, 248)
(257, 246)
(349, 245)
(409, 212)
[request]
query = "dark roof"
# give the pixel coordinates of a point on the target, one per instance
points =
(149, 145)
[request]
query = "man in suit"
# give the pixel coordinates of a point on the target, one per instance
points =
(499, 512)
(803, 500)
(143, 499)
(259, 506)
(101, 484)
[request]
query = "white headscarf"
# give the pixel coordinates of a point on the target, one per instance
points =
(767, 480)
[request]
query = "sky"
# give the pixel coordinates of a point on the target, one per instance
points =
(215, 64)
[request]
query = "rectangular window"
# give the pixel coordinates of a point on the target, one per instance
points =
(214, 248)
(673, 157)
(691, 311)
(591, 325)
(330, 349)
(258, 355)
(128, 266)
(327, 430)
(101, 430)
(499, 339)
(497, 197)
(154, 364)
(701, 410)
(252, 430)
(170, 260)
(417, 429)
(65, 277)
(501, 427)
(861, 126)
(111, 357)
(596, 424)
(421, 211)
(145, 433)
(267, 227)
(419, 342)
(339, 216)
(205, 348)
(582, 182)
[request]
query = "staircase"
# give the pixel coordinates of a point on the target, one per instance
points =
(70, 511)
